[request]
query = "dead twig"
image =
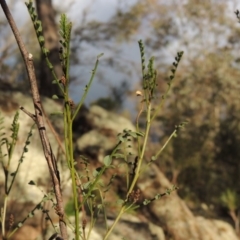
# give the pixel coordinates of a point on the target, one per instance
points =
(39, 119)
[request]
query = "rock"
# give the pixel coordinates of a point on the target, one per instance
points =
(94, 138)
(102, 119)
(216, 229)
(102, 135)
(133, 227)
(27, 232)
(173, 215)
(166, 218)
(34, 166)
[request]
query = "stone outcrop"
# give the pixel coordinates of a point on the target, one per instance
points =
(163, 219)
(173, 215)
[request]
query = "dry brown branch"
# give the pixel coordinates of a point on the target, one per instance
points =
(51, 160)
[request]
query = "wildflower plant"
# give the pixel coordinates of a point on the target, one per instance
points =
(88, 188)
(7, 146)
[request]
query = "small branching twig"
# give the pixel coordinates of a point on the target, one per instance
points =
(51, 160)
(149, 78)
(38, 207)
(10, 177)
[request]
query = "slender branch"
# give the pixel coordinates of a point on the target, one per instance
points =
(32, 116)
(51, 160)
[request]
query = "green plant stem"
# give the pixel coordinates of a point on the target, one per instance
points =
(93, 185)
(140, 160)
(70, 160)
(37, 207)
(159, 152)
(122, 211)
(3, 217)
(67, 63)
(87, 88)
(137, 125)
(74, 186)
(11, 150)
(91, 222)
(166, 143)
(53, 72)
(68, 120)
(161, 103)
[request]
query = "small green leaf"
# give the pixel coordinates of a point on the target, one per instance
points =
(34, 15)
(31, 214)
(121, 138)
(38, 23)
(157, 196)
(146, 202)
(133, 134)
(55, 81)
(96, 171)
(153, 158)
(45, 51)
(100, 206)
(20, 224)
(55, 96)
(100, 55)
(120, 202)
(141, 134)
(107, 160)
(134, 207)
(45, 198)
(86, 185)
(39, 32)
(50, 66)
(29, 4)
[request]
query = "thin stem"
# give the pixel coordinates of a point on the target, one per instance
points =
(37, 207)
(70, 161)
(161, 103)
(137, 126)
(92, 186)
(91, 220)
(159, 152)
(140, 160)
(51, 160)
(4, 214)
(166, 143)
(74, 185)
(53, 72)
(68, 57)
(115, 222)
(87, 88)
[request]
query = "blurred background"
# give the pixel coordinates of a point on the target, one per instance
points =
(204, 160)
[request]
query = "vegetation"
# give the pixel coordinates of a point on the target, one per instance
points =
(204, 160)
(86, 187)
